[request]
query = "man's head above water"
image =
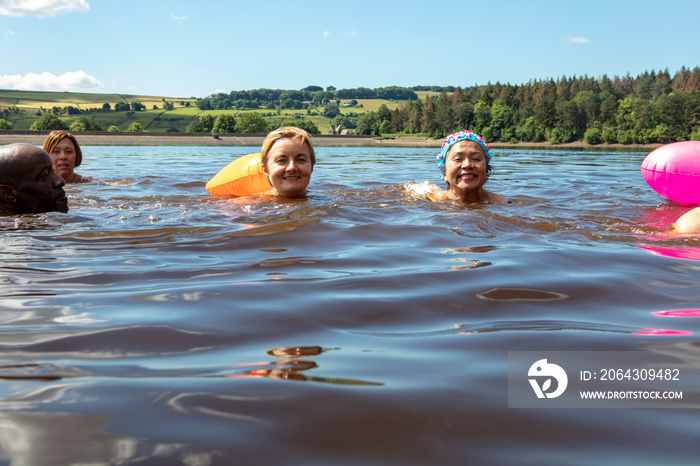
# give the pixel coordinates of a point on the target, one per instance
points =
(28, 183)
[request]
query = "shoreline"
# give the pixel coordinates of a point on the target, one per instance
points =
(255, 140)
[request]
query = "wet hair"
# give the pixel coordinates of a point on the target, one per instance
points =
(55, 137)
(286, 132)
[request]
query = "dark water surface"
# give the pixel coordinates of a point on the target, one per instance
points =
(155, 324)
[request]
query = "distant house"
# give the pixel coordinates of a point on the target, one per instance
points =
(337, 130)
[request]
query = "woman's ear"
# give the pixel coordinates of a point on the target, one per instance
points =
(267, 175)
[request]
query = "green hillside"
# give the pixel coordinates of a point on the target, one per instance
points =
(23, 108)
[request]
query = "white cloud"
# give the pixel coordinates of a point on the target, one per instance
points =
(352, 33)
(8, 32)
(576, 40)
(326, 34)
(40, 8)
(69, 81)
(178, 19)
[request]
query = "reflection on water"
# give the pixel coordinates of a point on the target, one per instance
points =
(521, 294)
(156, 324)
(292, 368)
(686, 253)
(678, 313)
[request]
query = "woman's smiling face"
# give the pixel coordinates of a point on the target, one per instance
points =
(465, 168)
(289, 167)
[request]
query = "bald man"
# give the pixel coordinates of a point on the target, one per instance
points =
(28, 183)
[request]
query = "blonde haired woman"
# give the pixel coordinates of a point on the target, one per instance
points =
(287, 159)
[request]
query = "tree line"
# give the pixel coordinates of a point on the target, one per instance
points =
(246, 122)
(309, 97)
(653, 107)
(49, 122)
(106, 107)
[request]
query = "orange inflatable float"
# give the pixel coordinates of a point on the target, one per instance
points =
(242, 177)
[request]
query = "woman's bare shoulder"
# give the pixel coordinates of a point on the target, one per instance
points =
(689, 223)
(491, 197)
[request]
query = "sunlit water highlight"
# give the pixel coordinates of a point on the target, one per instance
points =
(157, 324)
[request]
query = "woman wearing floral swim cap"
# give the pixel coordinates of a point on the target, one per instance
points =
(464, 162)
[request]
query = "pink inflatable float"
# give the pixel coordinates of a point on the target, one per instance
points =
(673, 171)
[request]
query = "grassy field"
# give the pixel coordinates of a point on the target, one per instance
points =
(21, 108)
(34, 99)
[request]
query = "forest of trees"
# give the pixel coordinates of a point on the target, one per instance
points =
(311, 96)
(653, 107)
(247, 122)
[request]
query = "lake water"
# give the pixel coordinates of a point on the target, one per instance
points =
(156, 324)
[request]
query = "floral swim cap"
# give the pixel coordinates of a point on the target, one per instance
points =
(453, 139)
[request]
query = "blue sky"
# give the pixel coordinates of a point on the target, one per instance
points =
(179, 48)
